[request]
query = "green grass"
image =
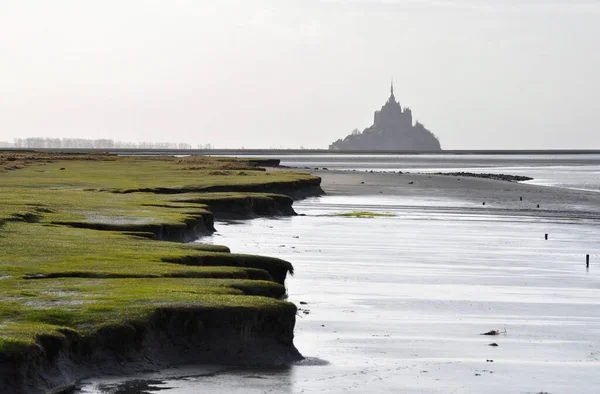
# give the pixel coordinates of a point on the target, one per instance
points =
(130, 174)
(76, 254)
(37, 307)
(362, 214)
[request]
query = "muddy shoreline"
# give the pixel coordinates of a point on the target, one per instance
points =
(193, 335)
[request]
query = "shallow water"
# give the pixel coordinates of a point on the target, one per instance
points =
(397, 304)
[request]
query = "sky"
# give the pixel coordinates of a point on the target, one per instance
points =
(480, 74)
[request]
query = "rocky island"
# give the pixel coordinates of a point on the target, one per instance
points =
(392, 129)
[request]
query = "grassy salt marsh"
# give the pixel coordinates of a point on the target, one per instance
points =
(80, 251)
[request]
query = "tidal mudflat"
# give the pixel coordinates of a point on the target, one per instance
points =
(398, 303)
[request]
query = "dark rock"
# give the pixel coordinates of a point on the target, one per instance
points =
(492, 332)
(498, 177)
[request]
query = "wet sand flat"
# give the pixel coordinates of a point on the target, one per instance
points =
(499, 196)
(397, 303)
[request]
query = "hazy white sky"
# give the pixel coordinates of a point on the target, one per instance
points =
(480, 74)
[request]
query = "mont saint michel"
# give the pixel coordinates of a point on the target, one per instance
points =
(392, 129)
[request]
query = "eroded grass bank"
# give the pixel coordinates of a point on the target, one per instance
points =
(94, 277)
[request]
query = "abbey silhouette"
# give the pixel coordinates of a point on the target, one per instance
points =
(392, 129)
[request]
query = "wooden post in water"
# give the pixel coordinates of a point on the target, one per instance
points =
(521, 198)
(587, 260)
(546, 236)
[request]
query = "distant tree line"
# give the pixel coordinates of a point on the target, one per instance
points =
(83, 143)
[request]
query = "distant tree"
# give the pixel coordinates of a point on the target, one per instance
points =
(102, 143)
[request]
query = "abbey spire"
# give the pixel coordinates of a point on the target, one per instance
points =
(392, 99)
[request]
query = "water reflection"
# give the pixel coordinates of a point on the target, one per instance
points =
(133, 387)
